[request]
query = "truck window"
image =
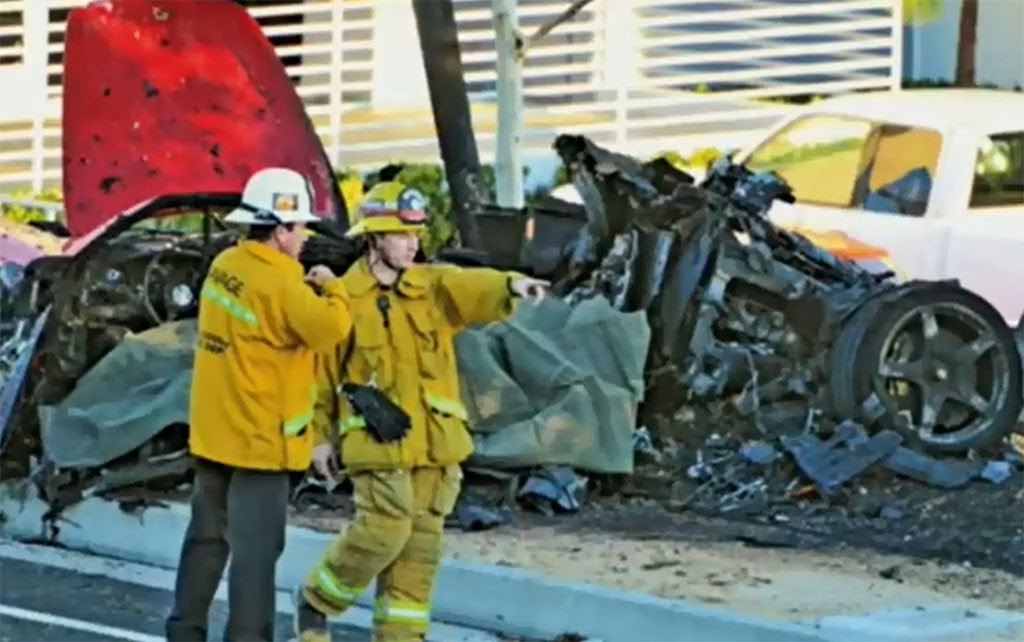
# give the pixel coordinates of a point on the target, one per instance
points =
(999, 172)
(818, 155)
(899, 171)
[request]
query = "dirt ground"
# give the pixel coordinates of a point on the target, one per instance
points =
(778, 570)
(884, 542)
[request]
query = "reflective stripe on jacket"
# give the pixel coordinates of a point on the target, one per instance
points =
(253, 386)
(408, 353)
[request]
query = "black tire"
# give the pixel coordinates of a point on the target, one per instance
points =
(959, 308)
(841, 369)
(841, 364)
(1020, 335)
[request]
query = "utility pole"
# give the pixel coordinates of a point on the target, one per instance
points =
(967, 44)
(511, 53)
(508, 162)
(442, 61)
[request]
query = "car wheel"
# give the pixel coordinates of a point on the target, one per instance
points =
(940, 365)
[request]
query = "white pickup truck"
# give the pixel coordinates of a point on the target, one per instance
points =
(934, 178)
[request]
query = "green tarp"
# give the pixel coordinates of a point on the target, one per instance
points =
(129, 396)
(552, 385)
(555, 385)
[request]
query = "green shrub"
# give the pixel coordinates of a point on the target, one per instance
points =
(25, 215)
(429, 178)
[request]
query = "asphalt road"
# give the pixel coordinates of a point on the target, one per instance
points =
(40, 602)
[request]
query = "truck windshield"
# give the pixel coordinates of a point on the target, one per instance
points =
(850, 162)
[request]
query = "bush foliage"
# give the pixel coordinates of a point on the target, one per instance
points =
(24, 214)
(429, 178)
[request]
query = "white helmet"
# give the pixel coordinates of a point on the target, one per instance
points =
(275, 196)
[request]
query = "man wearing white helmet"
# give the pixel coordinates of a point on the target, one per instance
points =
(253, 390)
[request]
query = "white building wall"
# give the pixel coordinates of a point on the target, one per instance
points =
(621, 72)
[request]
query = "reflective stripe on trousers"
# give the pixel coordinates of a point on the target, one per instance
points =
(332, 590)
(388, 611)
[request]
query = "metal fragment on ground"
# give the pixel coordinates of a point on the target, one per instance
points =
(849, 452)
(932, 471)
(553, 489)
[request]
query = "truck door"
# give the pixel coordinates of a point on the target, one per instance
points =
(986, 222)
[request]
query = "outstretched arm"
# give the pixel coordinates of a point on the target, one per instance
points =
(483, 295)
(474, 295)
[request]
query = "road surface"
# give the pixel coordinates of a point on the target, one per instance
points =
(53, 595)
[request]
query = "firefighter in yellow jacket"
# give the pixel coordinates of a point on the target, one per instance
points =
(252, 400)
(405, 316)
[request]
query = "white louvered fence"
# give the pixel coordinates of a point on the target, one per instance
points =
(631, 73)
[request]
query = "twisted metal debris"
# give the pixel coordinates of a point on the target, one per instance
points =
(742, 309)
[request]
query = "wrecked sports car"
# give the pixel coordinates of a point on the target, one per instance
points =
(145, 136)
(735, 307)
(690, 293)
(738, 306)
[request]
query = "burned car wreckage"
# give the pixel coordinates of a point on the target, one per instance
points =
(801, 343)
(740, 306)
(667, 294)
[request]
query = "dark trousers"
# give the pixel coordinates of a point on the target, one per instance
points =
(241, 512)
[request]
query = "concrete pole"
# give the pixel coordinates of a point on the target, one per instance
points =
(508, 162)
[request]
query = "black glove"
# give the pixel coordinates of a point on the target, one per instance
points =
(385, 421)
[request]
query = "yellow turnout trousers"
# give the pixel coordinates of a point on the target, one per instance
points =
(396, 537)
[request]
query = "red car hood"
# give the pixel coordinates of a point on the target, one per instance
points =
(176, 96)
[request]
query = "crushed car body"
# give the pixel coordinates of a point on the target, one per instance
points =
(668, 293)
(719, 302)
(739, 306)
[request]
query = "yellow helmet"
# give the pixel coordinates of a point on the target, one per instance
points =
(390, 207)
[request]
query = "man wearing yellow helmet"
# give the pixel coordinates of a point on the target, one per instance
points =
(404, 467)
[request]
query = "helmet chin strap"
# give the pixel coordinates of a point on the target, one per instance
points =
(376, 256)
(277, 243)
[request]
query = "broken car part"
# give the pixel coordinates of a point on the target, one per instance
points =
(552, 489)
(16, 353)
(738, 306)
(832, 463)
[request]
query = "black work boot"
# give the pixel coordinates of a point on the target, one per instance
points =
(310, 624)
